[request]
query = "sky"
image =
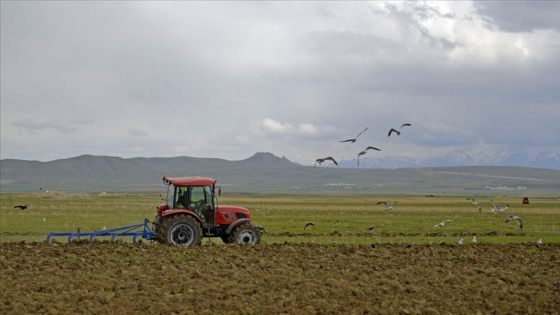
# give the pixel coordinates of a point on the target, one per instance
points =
(226, 79)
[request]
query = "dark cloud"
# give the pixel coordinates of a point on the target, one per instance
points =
(521, 16)
(38, 125)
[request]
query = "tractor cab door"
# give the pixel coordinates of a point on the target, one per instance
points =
(200, 201)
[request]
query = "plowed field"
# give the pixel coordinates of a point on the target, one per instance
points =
(126, 278)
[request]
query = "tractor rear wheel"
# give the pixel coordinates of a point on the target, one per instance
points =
(246, 234)
(183, 230)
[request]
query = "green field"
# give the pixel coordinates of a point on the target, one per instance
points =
(338, 219)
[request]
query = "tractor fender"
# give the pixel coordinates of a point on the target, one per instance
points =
(236, 223)
(169, 213)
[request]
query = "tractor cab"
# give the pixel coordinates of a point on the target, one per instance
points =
(193, 194)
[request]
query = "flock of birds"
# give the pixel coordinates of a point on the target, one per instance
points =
(496, 208)
(320, 161)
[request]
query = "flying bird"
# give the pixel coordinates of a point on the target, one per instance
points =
(372, 148)
(388, 205)
(371, 228)
(475, 203)
(360, 154)
(365, 151)
(321, 160)
(497, 209)
(398, 132)
(441, 224)
(21, 207)
(515, 218)
(308, 224)
(354, 139)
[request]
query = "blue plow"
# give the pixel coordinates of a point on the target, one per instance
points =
(137, 230)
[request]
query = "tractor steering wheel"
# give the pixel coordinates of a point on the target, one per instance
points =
(200, 204)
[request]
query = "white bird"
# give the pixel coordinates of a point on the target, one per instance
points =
(475, 203)
(539, 241)
(515, 218)
(441, 224)
(354, 139)
(473, 239)
(388, 205)
(459, 242)
(497, 209)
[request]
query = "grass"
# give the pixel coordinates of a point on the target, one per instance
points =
(338, 219)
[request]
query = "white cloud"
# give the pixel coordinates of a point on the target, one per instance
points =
(268, 126)
(308, 129)
(275, 127)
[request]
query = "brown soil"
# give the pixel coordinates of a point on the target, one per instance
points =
(125, 278)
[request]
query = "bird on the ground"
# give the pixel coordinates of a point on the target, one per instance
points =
(365, 151)
(459, 242)
(473, 239)
(21, 206)
(475, 203)
(497, 209)
(539, 241)
(515, 218)
(388, 205)
(321, 160)
(441, 224)
(308, 225)
(398, 132)
(352, 140)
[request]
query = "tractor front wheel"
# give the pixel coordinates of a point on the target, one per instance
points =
(183, 230)
(246, 234)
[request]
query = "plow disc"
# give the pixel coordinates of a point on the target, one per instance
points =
(137, 230)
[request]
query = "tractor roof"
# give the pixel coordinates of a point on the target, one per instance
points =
(189, 181)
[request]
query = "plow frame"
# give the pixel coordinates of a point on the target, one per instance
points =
(129, 230)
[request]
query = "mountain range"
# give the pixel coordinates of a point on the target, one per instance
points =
(482, 154)
(266, 173)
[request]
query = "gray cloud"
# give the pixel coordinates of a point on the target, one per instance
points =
(228, 79)
(521, 16)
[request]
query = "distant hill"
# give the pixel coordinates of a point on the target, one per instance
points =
(264, 173)
(482, 154)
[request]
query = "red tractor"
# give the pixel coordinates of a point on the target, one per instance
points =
(191, 212)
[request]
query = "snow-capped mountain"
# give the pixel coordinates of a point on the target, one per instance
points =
(497, 155)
